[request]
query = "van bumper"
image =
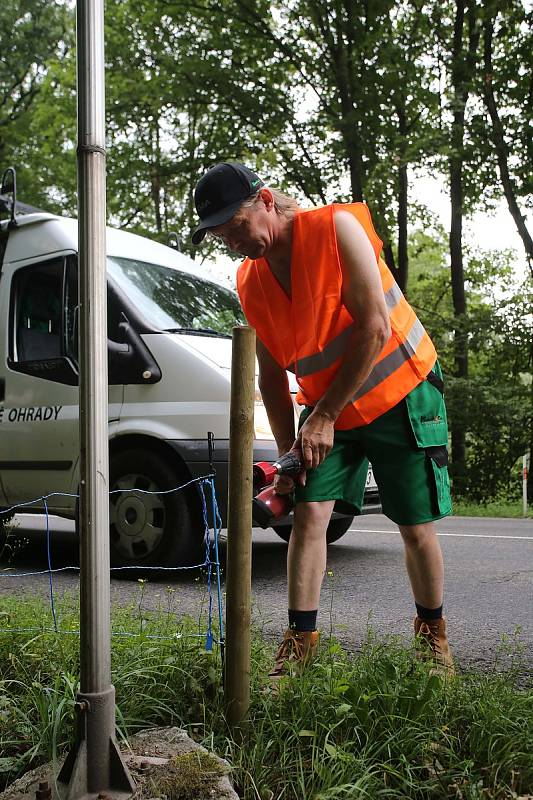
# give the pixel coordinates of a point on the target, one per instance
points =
(195, 454)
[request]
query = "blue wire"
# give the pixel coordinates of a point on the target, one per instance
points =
(62, 632)
(49, 557)
(199, 481)
(76, 568)
(217, 524)
(37, 501)
(209, 634)
(207, 480)
(45, 497)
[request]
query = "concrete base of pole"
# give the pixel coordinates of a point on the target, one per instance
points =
(165, 762)
(95, 765)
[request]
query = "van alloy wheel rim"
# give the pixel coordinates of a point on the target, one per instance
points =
(137, 520)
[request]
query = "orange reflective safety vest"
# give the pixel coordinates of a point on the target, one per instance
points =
(308, 333)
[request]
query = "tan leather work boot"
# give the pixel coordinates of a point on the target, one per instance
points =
(434, 645)
(298, 648)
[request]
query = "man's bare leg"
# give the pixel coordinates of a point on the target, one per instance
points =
(423, 559)
(306, 564)
(306, 558)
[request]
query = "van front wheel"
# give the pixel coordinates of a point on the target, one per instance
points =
(151, 526)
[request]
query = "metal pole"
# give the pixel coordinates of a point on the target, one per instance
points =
(239, 547)
(524, 485)
(95, 764)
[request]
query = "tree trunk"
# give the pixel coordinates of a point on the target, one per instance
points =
(460, 63)
(458, 426)
(530, 471)
(499, 142)
(388, 256)
(355, 173)
(156, 178)
(403, 185)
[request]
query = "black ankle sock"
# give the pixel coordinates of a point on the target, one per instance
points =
(428, 613)
(302, 620)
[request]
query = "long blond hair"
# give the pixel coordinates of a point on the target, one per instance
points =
(283, 203)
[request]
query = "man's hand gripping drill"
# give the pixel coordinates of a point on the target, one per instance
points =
(275, 501)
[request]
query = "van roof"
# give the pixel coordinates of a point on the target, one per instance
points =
(42, 234)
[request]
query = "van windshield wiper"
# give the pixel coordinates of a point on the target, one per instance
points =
(199, 332)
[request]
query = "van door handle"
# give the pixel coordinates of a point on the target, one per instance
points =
(2, 389)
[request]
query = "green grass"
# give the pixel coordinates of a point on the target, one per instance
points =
(492, 508)
(374, 725)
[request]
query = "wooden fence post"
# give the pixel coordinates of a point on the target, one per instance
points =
(239, 546)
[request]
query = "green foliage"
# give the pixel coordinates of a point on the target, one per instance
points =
(497, 417)
(11, 542)
(34, 30)
(492, 508)
(494, 404)
(37, 35)
(329, 99)
(159, 680)
(380, 724)
(367, 725)
(190, 93)
(512, 63)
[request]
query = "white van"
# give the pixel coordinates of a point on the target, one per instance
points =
(169, 335)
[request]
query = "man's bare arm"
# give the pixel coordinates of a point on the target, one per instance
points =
(274, 388)
(362, 293)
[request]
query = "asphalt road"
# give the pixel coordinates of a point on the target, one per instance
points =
(489, 583)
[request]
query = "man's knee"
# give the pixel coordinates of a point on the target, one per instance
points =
(418, 535)
(311, 519)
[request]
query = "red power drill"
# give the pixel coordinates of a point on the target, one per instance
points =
(268, 506)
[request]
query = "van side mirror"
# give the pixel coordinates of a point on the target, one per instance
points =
(129, 360)
(173, 241)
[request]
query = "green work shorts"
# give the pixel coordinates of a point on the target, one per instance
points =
(407, 447)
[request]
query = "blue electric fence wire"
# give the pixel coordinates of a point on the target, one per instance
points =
(205, 480)
(209, 634)
(49, 557)
(127, 634)
(199, 481)
(38, 500)
(4, 574)
(217, 524)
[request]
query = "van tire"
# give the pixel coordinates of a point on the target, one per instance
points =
(336, 529)
(151, 530)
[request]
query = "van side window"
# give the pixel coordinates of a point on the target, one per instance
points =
(72, 315)
(38, 312)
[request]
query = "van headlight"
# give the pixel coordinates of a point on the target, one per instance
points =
(262, 429)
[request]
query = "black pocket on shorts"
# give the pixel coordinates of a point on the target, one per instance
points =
(438, 460)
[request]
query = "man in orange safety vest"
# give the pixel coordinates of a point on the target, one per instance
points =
(326, 307)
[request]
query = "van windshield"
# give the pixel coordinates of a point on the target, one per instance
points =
(176, 301)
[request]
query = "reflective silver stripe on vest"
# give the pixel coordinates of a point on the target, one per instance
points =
(316, 362)
(393, 296)
(394, 360)
(332, 351)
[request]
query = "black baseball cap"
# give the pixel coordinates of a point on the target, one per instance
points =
(220, 192)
